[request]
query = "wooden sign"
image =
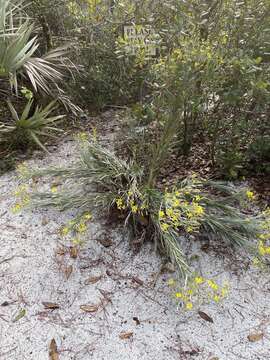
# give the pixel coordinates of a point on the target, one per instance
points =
(141, 37)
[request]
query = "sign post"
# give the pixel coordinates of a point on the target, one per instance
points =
(141, 37)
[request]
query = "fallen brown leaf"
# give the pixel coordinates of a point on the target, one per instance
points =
(89, 308)
(60, 251)
(73, 252)
(137, 280)
(53, 352)
(92, 280)
(205, 317)
(68, 271)
(106, 296)
(255, 337)
(126, 335)
(106, 242)
(51, 306)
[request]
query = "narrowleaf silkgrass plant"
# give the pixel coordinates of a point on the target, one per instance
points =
(100, 179)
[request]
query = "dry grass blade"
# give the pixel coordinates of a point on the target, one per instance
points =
(93, 280)
(89, 308)
(50, 306)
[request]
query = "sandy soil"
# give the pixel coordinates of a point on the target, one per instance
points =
(36, 267)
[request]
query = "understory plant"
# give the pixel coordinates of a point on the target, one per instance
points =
(18, 49)
(167, 217)
(30, 127)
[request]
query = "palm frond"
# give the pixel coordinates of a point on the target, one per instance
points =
(31, 126)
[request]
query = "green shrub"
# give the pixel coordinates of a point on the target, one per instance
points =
(258, 155)
(215, 81)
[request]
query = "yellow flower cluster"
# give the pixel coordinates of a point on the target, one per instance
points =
(181, 208)
(77, 226)
(264, 236)
(22, 198)
(199, 290)
(263, 247)
(133, 201)
(120, 204)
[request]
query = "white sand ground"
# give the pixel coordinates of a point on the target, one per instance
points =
(31, 272)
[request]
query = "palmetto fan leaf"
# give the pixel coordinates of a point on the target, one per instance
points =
(44, 71)
(40, 123)
(16, 45)
(17, 50)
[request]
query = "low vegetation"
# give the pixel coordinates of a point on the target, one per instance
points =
(196, 90)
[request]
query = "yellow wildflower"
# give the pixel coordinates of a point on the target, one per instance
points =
(120, 204)
(164, 227)
(199, 280)
(264, 236)
(82, 136)
(77, 241)
(212, 285)
(261, 248)
(134, 209)
(189, 305)
(216, 298)
(178, 295)
(65, 231)
(256, 262)
(267, 250)
(176, 202)
(16, 208)
(87, 216)
(250, 195)
(144, 206)
(25, 200)
(198, 209)
(161, 214)
(81, 228)
(54, 189)
(169, 212)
